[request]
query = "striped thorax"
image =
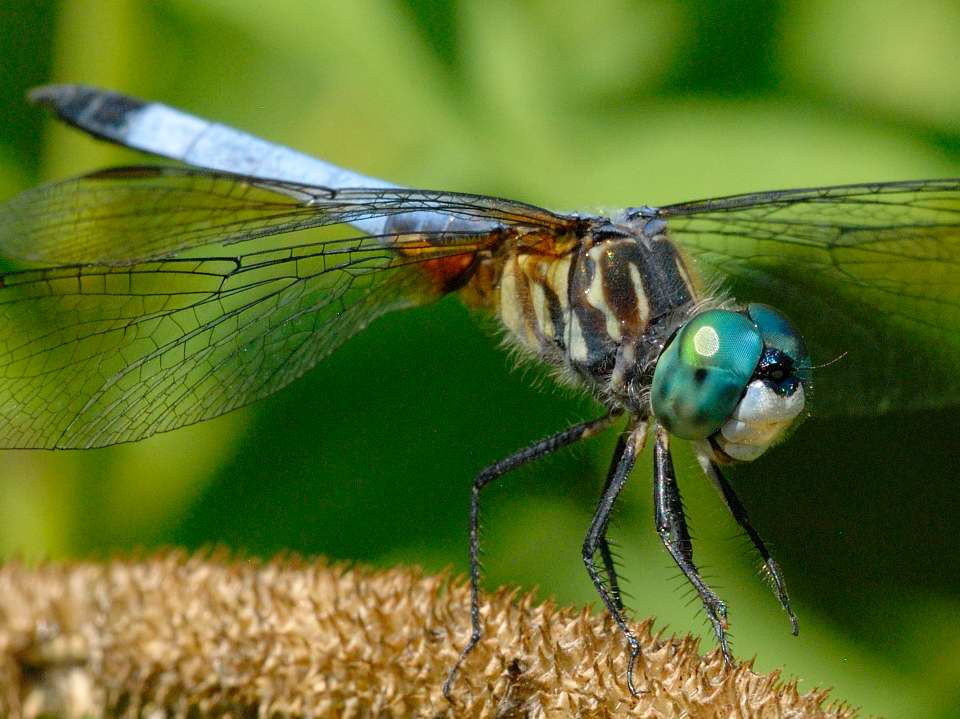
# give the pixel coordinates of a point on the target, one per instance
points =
(598, 305)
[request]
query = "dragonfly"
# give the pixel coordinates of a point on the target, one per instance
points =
(145, 299)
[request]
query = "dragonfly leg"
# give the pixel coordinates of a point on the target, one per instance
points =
(739, 513)
(631, 447)
(609, 565)
(672, 528)
(485, 477)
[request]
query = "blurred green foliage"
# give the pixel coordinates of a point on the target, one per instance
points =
(569, 105)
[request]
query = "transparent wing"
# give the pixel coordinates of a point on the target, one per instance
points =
(870, 274)
(95, 355)
(129, 214)
(127, 336)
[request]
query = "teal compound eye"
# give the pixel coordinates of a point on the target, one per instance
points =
(779, 333)
(703, 372)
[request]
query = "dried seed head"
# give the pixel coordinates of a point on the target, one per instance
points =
(211, 635)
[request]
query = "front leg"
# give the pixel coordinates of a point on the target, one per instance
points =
(672, 528)
(609, 564)
(632, 446)
(739, 513)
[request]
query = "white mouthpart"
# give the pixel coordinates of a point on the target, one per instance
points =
(760, 419)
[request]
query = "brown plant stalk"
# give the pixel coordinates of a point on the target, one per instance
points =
(215, 636)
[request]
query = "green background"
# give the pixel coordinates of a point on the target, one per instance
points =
(573, 106)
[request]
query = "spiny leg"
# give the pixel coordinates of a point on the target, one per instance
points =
(603, 545)
(739, 513)
(672, 528)
(487, 475)
(632, 446)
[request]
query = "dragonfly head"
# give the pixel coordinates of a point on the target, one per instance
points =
(735, 378)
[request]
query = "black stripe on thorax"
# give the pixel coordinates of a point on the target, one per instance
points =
(663, 284)
(600, 346)
(555, 310)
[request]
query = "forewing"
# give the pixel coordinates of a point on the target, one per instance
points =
(868, 273)
(96, 355)
(129, 333)
(131, 214)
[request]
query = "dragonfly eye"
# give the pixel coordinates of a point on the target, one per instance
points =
(736, 378)
(703, 372)
(784, 348)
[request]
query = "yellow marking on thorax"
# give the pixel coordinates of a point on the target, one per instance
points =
(558, 273)
(643, 306)
(576, 344)
(542, 313)
(530, 286)
(595, 294)
(511, 313)
(523, 303)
